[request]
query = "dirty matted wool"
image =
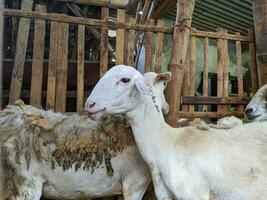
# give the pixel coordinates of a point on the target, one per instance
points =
(65, 141)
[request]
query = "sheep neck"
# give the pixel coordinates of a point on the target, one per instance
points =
(147, 123)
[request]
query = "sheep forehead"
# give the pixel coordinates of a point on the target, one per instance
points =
(121, 71)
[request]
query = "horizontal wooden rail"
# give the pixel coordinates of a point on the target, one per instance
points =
(217, 35)
(201, 100)
(85, 21)
(209, 114)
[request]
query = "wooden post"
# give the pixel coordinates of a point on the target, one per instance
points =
(178, 57)
(38, 59)
(1, 54)
(220, 65)
(159, 48)
(257, 76)
(193, 48)
(206, 72)
(239, 71)
(131, 45)
(104, 43)
(259, 8)
(149, 59)
(80, 68)
(21, 48)
(62, 69)
(186, 84)
(225, 69)
(52, 66)
(120, 38)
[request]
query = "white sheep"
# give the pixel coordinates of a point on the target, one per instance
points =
(69, 157)
(256, 109)
(186, 163)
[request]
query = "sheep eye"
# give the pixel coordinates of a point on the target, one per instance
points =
(125, 80)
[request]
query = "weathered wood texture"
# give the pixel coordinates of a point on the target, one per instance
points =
(193, 49)
(80, 68)
(131, 45)
(178, 57)
(52, 66)
(216, 115)
(120, 38)
(20, 53)
(62, 68)
(206, 71)
(159, 48)
(163, 8)
(104, 44)
(149, 49)
(259, 8)
(85, 21)
(225, 70)
(212, 100)
(1, 63)
(38, 59)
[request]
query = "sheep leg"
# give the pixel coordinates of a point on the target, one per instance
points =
(161, 191)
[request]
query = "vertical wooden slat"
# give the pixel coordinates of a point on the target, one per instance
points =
(120, 38)
(52, 66)
(131, 45)
(149, 49)
(239, 70)
(21, 48)
(104, 43)
(80, 68)
(62, 70)
(220, 69)
(256, 75)
(159, 48)
(225, 70)
(192, 69)
(205, 71)
(38, 59)
(186, 84)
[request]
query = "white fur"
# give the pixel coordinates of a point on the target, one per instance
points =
(188, 162)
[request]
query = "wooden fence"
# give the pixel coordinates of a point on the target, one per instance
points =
(222, 98)
(127, 32)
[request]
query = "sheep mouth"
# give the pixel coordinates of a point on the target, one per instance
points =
(95, 112)
(252, 117)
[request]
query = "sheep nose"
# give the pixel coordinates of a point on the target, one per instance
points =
(248, 111)
(89, 105)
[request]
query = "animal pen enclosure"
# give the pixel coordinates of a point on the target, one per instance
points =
(51, 79)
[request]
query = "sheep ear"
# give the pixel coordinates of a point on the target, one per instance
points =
(141, 85)
(163, 77)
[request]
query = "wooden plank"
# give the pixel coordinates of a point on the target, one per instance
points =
(38, 59)
(193, 48)
(257, 76)
(220, 35)
(215, 115)
(159, 48)
(225, 70)
(145, 12)
(220, 69)
(1, 61)
(239, 71)
(104, 43)
(149, 59)
(21, 47)
(85, 21)
(52, 66)
(206, 72)
(163, 8)
(131, 45)
(212, 100)
(186, 84)
(80, 68)
(120, 38)
(62, 69)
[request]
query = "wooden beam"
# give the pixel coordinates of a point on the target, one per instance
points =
(131, 45)
(80, 68)
(225, 70)
(149, 49)
(163, 8)
(38, 59)
(62, 68)
(206, 71)
(212, 100)
(215, 115)
(86, 21)
(193, 58)
(1, 59)
(159, 49)
(120, 38)
(145, 12)
(220, 66)
(104, 43)
(52, 66)
(21, 47)
(178, 57)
